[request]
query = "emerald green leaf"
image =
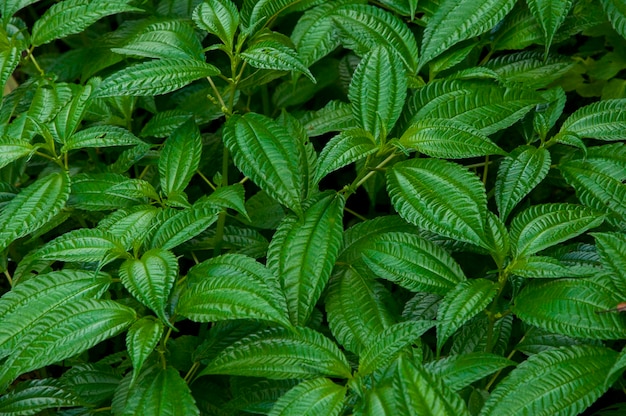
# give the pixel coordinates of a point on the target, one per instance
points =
(65, 331)
(164, 123)
(141, 339)
(129, 226)
(335, 116)
(616, 12)
(570, 306)
(377, 91)
(233, 286)
(617, 369)
(387, 345)
(9, 7)
(181, 226)
(454, 22)
(257, 395)
(281, 354)
(303, 251)
(542, 226)
(518, 174)
(357, 308)
(218, 17)
(31, 397)
(421, 307)
(439, 137)
(88, 191)
(69, 117)
(458, 208)
(154, 77)
(529, 69)
(345, 148)
(12, 150)
(264, 151)
(82, 245)
(270, 54)
(255, 12)
(160, 391)
(612, 250)
(462, 303)
(603, 120)
(9, 59)
(412, 262)
(100, 136)
(150, 279)
(569, 379)
(550, 14)
(364, 27)
(418, 392)
(318, 396)
(536, 340)
(459, 371)
(72, 16)
(180, 157)
(33, 207)
(545, 267)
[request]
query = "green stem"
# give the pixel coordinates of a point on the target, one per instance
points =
(9, 278)
(358, 182)
(192, 372)
(34, 61)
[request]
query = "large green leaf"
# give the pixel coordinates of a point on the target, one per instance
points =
(612, 250)
(455, 21)
(33, 207)
(271, 54)
(129, 226)
(319, 396)
(72, 16)
(100, 136)
(603, 120)
(440, 196)
(616, 12)
(282, 354)
(518, 174)
(459, 371)
(377, 91)
(108, 191)
(233, 286)
(180, 157)
(218, 17)
(450, 139)
(553, 383)
(82, 245)
(546, 267)
(180, 226)
(570, 307)
(345, 148)
(529, 69)
(303, 251)
(70, 116)
(34, 396)
(412, 262)
(258, 395)
(141, 339)
(12, 150)
(550, 14)
(154, 77)
(542, 226)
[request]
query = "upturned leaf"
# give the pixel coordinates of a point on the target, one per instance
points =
(141, 339)
(100, 136)
(129, 226)
(281, 354)
(180, 157)
(459, 371)
(270, 54)
(604, 120)
(218, 17)
(345, 148)
(550, 14)
(34, 396)
(616, 12)
(233, 286)
(319, 396)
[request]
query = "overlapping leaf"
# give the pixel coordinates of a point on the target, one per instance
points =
(603, 120)
(121, 192)
(180, 157)
(550, 14)
(335, 116)
(270, 54)
(459, 371)
(319, 396)
(529, 69)
(34, 396)
(616, 12)
(141, 339)
(100, 136)
(345, 148)
(612, 250)
(219, 17)
(82, 245)
(12, 150)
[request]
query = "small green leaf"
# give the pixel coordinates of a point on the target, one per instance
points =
(82, 245)
(70, 116)
(31, 397)
(529, 69)
(612, 250)
(319, 396)
(270, 54)
(141, 339)
(550, 14)
(180, 226)
(604, 120)
(345, 148)
(129, 226)
(164, 123)
(9, 59)
(100, 136)
(256, 12)
(281, 354)
(218, 17)
(545, 267)
(616, 12)
(180, 157)
(335, 116)
(88, 191)
(12, 150)
(9, 7)
(459, 371)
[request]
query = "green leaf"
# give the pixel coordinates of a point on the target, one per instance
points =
(218, 17)
(107, 191)
(612, 250)
(343, 149)
(459, 371)
(100, 136)
(257, 395)
(181, 226)
(164, 123)
(462, 303)
(129, 226)
(550, 14)
(265, 152)
(570, 306)
(529, 69)
(82, 245)
(335, 116)
(9, 7)
(616, 12)
(150, 279)
(69, 117)
(154, 77)
(518, 174)
(141, 339)
(12, 150)
(270, 54)
(450, 139)
(281, 354)
(9, 59)
(387, 345)
(536, 340)
(418, 392)
(568, 379)
(233, 286)
(255, 12)
(160, 391)
(542, 226)
(458, 209)
(603, 120)
(319, 396)
(412, 262)
(377, 91)
(545, 267)
(72, 16)
(180, 158)
(454, 22)
(31, 397)
(33, 207)
(303, 251)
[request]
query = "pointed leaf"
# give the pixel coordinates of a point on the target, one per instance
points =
(604, 120)
(550, 14)
(141, 339)
(181, 226)
(529, 69)
(282, 354)
(100, 136)
(318, 396)
(9, 7)
(129, 226)
(70, 116)
(164, 123)
(616, 12)
(218, 17)
(233, 286)
(12, 150)
(545, 267)
(612, 250)
(345, 148)
(9, 59)
(34, 396)
(335, 116)
(82, 245)
(459, 371)
(107, 191)
(270, 54)
(180, 157)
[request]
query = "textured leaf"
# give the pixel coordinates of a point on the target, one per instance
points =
(518, 174)
(612, 250)
(100, 136)
(458, 209)
(550, 14)
(33, 207)
(282, 354)
(180, 157)
(129, 226)
(603, 120)
(536, 340)
(141, 339)
(459, 371)
(439, 137)
(377, 91)
(345, 148)
(233, 286)
(150, 279)
(82, 245)
(616, 12)
(70, 116)
(12, 150)
(255, 12)
(265, 152)
(218, 17)
(181, 226)
(545, 267)
(9, 7)
(542, 226)
(257, 394)
(107, 191)
(412, 262)
(9, 59)
(570, 306)
(318, 396)
(303, 251)
(335, 116)
(164, 123)
(558, 382)
(529, 69)
(454, 22)
(154, 77)
(34, 396)
(269, 54)
(465, 301)
(72, 16)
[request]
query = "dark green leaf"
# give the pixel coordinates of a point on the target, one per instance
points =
(318, 396)
(269, 54)
(459, 371)
(345, 148)
(180, 157)
(141, 339)
(335, 116)
(34, 396)
(604, 120)
(612, 250)
(616, 12)
(219, 17)
(550, 14)
(82, 245)
(529, 69)
(100, 136)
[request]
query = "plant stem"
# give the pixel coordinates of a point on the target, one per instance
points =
(356, 214)
(358, 182)
(9, 278)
